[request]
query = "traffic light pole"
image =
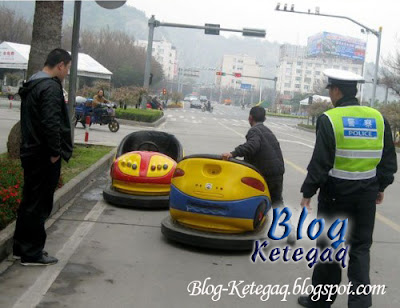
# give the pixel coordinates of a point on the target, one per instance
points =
(147, 68)
(153, 23)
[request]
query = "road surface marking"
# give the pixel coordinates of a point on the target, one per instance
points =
(33, 296)
(298, 142)
(379, 216)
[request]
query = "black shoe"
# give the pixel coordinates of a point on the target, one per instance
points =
(17, 255)
(44, 260)
(305, 301)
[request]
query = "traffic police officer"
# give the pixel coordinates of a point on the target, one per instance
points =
(354, 160)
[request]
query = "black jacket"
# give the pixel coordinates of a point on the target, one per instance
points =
(323, 159)
(45, 125)
(262, 150)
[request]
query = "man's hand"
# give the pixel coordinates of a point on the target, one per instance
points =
(379, 198)
(54, 159)
(306, 202)
(226, 156)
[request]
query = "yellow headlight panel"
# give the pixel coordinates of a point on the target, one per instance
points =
(129, 164)
(155, 171)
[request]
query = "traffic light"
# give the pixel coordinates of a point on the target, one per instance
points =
(212, 31)
(164, 91)
(150, 79)
(237, 75)
(220, 73)
(310, 100)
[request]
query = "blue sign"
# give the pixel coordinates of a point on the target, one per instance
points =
(360, 127)
(246, 86)
(366, 123)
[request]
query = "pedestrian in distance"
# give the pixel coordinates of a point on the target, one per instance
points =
(46, 139)
(354, 160)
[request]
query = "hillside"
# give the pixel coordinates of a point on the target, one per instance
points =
(195, 49)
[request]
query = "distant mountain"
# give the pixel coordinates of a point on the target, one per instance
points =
(195, 49)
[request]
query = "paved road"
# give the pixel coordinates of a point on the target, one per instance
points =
(117, 257)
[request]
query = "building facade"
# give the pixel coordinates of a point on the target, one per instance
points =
(165, 53)
(300, 68)
(239, 64)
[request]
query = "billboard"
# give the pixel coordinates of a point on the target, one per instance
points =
(326, 43)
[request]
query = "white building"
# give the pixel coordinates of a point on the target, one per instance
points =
(239, 64)
(165, 53)
(301, 68)
(16, 56)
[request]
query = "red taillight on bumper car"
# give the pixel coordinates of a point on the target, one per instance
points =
(252, 182)
(178, 172)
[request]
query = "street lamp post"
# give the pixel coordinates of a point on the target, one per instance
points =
(74, 64)
(377, 33)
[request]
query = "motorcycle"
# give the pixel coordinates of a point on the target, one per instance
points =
(207, 107)
(103, 115)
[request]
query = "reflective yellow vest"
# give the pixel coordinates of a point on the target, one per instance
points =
(359, 134)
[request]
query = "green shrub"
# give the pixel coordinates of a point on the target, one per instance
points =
(140, 115)
(282, 115)
(11, 177)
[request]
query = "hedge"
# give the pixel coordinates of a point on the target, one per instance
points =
(140, 115)
(282, 115)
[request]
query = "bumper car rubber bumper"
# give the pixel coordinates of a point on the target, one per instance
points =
(126, 200)
(175, 231)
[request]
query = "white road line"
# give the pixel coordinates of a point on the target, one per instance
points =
(181, 117)
(193, 117)
(33, 296)
(297, 142)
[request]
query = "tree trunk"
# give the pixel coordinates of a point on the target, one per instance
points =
(46, 33)
(46, 36)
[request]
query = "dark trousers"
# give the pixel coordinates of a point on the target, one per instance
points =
(360, 210)
(40, 181)
(275, 186)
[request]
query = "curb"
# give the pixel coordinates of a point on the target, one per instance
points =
(144, 124)
(61, 197)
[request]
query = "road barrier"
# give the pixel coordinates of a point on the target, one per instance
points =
(87, 128)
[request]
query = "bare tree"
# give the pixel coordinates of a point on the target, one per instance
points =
(14, 28)
(46, 33)
(391, 72)
(319, 88)
(117, 51)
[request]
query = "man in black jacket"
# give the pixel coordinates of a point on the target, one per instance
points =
(262, 150)
(46, 139)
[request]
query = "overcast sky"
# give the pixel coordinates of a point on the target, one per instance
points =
(286, 27)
